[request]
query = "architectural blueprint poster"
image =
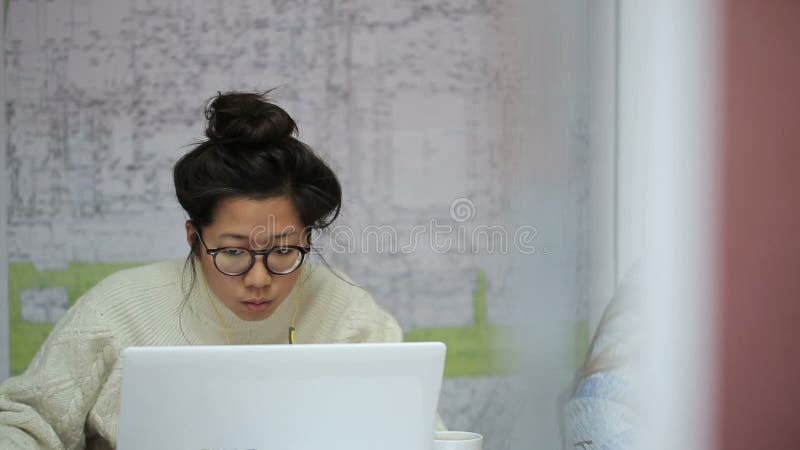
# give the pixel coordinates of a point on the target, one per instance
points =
(103, 96)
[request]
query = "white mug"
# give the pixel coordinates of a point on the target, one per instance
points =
(457, 440)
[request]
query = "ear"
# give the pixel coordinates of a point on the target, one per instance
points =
(305, 237)
(191, 233)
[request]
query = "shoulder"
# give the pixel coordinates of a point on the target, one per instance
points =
(336, 291)
(344, 311)
(320, 279)
(148, 275)
(132, 286)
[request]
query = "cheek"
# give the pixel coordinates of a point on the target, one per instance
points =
(286, 284)
(221, 285)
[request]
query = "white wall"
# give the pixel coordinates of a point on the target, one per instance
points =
(4, 192)
(603, 157)
(634, 138)
(666, 180)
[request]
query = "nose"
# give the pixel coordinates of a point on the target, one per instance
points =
(258, 276)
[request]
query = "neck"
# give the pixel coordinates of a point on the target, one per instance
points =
(219, 324)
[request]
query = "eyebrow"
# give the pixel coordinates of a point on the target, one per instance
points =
(240, 237)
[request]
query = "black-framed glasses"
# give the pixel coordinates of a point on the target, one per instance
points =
(279, 260)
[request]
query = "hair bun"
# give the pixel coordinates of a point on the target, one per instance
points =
(248, 119)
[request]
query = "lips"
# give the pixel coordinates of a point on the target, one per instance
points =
(256, 305)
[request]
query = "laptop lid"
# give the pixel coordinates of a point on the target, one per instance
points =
(288, 397)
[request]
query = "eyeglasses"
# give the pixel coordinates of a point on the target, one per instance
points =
(233, 261)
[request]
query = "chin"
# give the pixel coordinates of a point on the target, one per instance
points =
(254, 317)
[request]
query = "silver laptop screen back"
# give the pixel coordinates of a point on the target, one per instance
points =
(339, 396)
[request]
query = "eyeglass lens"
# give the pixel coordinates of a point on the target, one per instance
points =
(235, 261)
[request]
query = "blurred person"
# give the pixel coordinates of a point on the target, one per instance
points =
(602, 413)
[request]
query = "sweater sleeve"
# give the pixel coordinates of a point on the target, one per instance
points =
(47, 406)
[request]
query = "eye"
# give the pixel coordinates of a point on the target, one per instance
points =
(233, 251)
(283, 251)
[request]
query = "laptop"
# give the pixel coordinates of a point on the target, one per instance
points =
(286, 397)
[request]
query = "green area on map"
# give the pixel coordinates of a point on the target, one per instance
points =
(484, 349)
(26, 337)
(478, 350)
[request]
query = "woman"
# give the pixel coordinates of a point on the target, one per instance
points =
(254, 194)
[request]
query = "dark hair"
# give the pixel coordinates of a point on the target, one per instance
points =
(252, 152)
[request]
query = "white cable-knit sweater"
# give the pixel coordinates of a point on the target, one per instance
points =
(69, 396)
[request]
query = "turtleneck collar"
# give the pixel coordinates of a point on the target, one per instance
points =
(206, 325)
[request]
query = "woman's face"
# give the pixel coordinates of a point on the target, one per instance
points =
(256, 225)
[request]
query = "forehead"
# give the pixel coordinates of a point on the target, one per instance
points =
(242, 215)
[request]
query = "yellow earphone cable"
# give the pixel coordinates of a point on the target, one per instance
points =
(292, 332)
